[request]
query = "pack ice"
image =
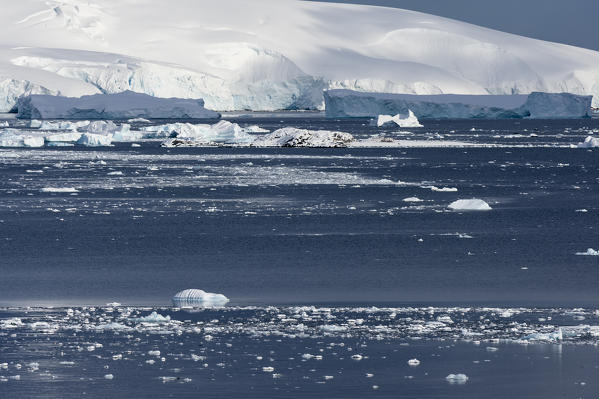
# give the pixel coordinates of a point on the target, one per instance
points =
(122, 105)
(260, 58)
(347, 103)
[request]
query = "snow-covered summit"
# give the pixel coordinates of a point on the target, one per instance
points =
(271, 54)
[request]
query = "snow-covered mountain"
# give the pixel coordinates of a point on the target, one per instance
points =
(269, 54)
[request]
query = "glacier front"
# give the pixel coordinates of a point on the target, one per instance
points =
(125, 105)
(348, 103)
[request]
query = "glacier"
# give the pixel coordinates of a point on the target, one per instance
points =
(347, 103)
(123, 105)
(259, 58)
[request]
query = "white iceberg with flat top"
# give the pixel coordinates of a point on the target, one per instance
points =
(537, 105)
(124, 105)
(195, 297)
(95, 140)
(473, 204)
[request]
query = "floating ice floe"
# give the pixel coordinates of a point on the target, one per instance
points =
(293, 137)
(556, 336)
(589, 142)
(457, 378)
(16, 138)
(473, 204)
(153, 317)
(190, 135)
(409, 121)
(589, 252)
(412, 199)
(59, 190)
(414, 362)
(198, 298)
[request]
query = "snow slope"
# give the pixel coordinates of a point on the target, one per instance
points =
(269, 54)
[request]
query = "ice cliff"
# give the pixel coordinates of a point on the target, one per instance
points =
(123, 105)
(347, 103)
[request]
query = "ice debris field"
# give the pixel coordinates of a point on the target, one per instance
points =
(301, 349)
(384, 131)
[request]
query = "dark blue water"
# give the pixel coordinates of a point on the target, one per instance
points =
(302, 225)
(283, 227)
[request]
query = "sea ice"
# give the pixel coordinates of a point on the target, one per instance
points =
(153, 318)
(469, 205)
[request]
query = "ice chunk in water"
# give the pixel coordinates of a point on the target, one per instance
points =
(409, 121)
(194, 297)
(473, 204)
(457, 378)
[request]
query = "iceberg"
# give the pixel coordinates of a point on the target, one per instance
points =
(293, 137)
(347, 103)
(589, 142)
(589, 252)
(124, 105)
(58, 125)
(95, 140)
(410, 121)
(195, 297)
(189, 135)
(457, 378)
(469, 205)
(153, 318)
(16, 138)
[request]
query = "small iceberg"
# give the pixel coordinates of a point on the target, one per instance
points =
(410, 121)
(153, 318)
(457, 378)
(473, 204)
(556, 336)
(589, 252)
(190, 298)
(589, 142)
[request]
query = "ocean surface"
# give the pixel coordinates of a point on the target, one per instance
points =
(322, 252)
